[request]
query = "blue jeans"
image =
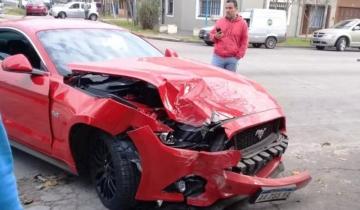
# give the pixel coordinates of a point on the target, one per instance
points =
(9, 199)
(229, 63)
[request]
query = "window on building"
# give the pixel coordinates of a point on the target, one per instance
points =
(208, 8)
(170, 7)
(316, 16)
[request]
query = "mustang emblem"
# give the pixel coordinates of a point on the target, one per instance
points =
(260, 133)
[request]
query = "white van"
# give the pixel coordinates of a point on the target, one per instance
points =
(266, 26)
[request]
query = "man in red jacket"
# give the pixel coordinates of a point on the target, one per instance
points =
(230, 36)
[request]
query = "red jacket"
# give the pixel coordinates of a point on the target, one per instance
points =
(235, 37)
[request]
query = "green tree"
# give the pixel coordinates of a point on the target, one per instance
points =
(149, 12)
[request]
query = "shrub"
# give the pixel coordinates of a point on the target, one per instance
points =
(149, 12)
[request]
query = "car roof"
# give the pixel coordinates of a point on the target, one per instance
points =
(34, 25)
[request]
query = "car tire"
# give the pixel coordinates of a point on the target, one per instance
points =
(115, 176)
(93, 17)
(62, 15)
(270, 42)
(320, 47)
(256, 45)
(341, 44)
(209, 43)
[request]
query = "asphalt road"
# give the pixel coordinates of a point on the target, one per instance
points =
(320, 93)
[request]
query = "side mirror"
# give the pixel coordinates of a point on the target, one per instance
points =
(357, 28)
(17, 63)
(171, 53)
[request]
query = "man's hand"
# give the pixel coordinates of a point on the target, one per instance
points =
(219, 35)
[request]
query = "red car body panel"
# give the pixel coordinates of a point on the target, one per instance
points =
(190, 91)
(40, 112)
(213, 166)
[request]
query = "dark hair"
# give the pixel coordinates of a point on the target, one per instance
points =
(233, 1)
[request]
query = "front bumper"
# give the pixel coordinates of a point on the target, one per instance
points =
(163, 165)
(36, 11)
(325, 42)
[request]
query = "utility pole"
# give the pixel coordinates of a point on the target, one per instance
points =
(207, 12)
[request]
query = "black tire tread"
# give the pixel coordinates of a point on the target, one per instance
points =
(127, 175)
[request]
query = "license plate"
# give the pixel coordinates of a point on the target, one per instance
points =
(266, 194)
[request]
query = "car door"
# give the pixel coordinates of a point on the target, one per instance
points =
(73, 11)
(24, 101)
(355, 35)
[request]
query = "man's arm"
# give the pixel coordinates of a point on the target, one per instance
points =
(244, 41)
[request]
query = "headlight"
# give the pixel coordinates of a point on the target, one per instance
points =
(167, 138)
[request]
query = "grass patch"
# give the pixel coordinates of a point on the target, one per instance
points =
(14, 11)
(296, 42)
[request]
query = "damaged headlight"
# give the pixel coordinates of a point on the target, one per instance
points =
(167, 138)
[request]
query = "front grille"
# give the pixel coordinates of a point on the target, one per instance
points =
(318, 35)
(255, 134)
(256, 161)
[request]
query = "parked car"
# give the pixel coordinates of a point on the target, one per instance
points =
(74, 10)
(266, 26)
(36, 7)
(143, 125)
(344, 34)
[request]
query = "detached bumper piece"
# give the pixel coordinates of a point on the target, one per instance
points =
(163, 166)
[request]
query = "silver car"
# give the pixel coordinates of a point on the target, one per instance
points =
(344, 34)
(75, 10)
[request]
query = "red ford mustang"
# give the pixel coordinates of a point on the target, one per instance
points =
(95, 99)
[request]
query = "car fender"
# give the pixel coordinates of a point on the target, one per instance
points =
(104, 114)
(344, 35)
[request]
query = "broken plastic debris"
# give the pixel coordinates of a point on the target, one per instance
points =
(325, 144)
(27, 201)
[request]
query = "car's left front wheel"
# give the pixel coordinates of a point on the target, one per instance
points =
(93, 17)
(115, 176)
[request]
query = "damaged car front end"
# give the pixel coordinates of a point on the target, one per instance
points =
(219, 135)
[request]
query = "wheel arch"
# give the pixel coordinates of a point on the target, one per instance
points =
(81, 136)
(348, 39)
(272, 35)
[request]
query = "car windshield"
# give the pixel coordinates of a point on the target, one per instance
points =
(344, 24)
(36, 2)
(66, 46)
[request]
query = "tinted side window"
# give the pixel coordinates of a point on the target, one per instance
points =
(12, 43)
(75, 6)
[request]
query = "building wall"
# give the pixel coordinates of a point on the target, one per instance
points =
(178, 9)
(297, 14)
(347, 9)
(349, 3)
(247, 4)
(185, 13)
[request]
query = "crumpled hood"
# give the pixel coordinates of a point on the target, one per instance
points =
(191, 92)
